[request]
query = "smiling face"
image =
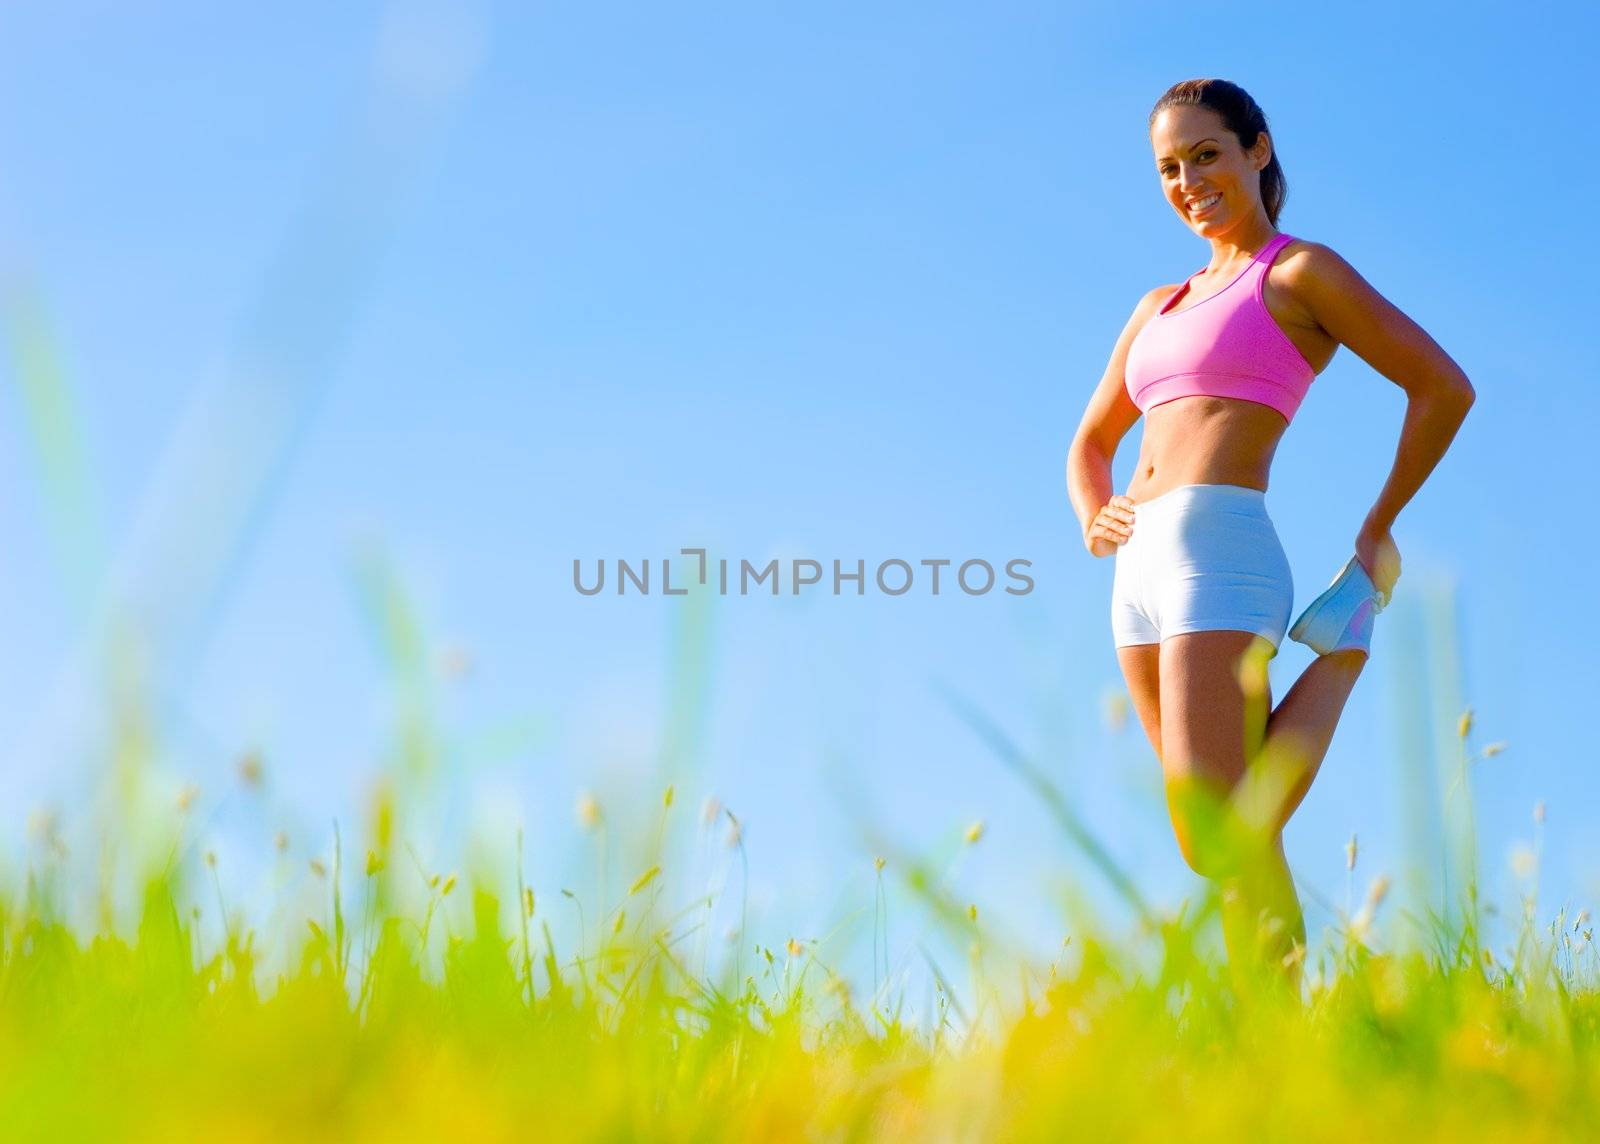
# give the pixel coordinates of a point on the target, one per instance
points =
(1213, 183)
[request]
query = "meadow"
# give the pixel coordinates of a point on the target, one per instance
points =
(393, 1001)
(503, 284)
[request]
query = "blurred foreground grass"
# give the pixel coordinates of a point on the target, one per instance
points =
(452, 1012)
(406, 1002)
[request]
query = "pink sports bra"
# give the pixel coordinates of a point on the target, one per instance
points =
(1225, 345)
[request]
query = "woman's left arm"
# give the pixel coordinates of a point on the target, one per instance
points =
(1438, 393)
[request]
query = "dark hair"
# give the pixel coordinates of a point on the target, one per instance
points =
(1241, 115)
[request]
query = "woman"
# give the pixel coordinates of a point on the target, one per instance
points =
(1218, 366)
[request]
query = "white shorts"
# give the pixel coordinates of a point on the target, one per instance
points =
(1201, 558)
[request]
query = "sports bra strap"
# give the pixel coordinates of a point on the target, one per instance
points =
(1277, 243)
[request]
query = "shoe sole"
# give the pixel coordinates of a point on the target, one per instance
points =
(1314, 610)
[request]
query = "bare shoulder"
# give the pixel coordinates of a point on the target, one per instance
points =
(1156, 296)
(1149, 302)
(1153, 300)
(1303, 265)
(1320, 283)
(1301, 246)
(1306, 272)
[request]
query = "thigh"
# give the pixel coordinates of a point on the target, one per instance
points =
(1205, 733)
(1141, 665)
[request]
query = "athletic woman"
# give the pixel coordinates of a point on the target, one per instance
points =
(1202, 596)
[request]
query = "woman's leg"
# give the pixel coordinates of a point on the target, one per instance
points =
(1261, 917)
(1206, 737)
(1301, 727)
(1141, 668)
(1214, 694)
(1236, 768)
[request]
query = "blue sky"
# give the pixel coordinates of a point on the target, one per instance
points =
(473, 292)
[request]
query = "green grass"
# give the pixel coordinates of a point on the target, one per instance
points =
(414, 1003)
(365, 995)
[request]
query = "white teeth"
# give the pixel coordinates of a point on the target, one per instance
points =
(1202, 204)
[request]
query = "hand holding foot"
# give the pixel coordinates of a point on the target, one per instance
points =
(1380, 557)
(1341, 618)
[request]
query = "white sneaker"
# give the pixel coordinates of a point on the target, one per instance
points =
(1338, 620)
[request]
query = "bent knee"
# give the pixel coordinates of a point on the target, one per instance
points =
(1204, 855)
(1206, 830)
(1218, 846)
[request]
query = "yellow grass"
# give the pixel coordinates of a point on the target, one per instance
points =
(457, 1016)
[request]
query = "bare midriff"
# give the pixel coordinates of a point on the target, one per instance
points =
(1203, 440)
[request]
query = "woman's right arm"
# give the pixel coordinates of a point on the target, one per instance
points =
(1109, 416)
